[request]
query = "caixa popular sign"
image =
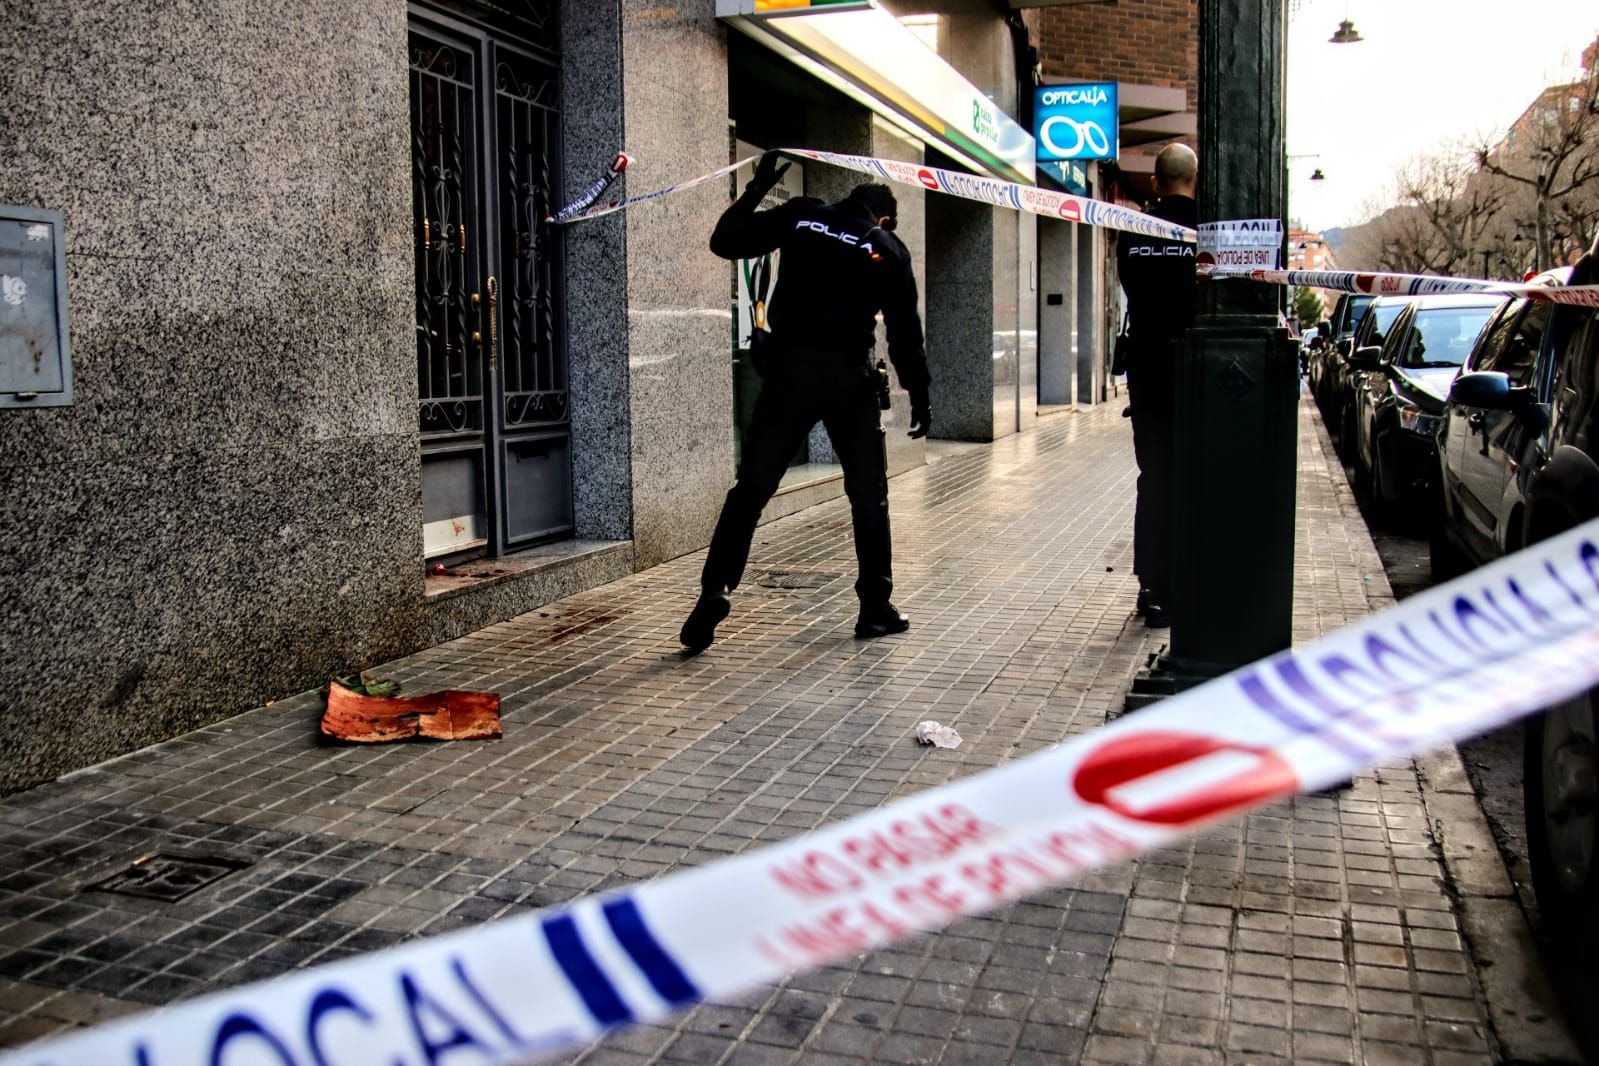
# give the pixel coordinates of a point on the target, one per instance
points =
(1075, 121)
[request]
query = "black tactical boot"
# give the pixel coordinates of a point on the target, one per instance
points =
(700, 628)
(879, 620)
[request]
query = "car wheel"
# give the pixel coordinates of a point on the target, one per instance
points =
(1346, 433)
(1562, 794)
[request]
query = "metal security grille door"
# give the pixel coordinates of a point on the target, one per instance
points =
(491, 369)
(536, 447)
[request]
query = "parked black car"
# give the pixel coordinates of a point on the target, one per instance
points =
(1323, 370)
(1481, 450)
(1559, 489)
(1371, 333)
(1399, 395)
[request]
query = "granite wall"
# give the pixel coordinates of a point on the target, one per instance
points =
(231, 511)
(596, 281)
(981, 271)
(679, 318)
(981, 319)
(232, 505)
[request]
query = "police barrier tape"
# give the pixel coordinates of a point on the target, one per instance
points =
(1092, 212)
(595, 189)
(972, 187)
(568, 215)
(1457, 660)
(1378, 284)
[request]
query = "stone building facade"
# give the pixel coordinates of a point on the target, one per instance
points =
(340, 394)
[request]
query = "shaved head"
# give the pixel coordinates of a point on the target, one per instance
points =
(1176, 170)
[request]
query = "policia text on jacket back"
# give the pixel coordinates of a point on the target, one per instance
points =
(840, 267)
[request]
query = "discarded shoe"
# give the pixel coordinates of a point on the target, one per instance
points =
(700, 628)
(1155, 616)
(880, 621)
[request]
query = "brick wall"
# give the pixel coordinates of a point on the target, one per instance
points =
(1151, 42)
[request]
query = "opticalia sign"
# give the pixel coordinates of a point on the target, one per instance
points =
(1075, 121)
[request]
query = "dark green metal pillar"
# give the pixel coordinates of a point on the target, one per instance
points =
(1237, 378)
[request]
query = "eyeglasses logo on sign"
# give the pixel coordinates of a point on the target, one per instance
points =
(1076, 121)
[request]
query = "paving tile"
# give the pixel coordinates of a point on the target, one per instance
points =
(1314, 931)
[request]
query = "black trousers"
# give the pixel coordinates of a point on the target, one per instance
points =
(803, 388)
(1152, 448)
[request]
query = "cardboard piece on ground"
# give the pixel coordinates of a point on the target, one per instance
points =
(449, 715)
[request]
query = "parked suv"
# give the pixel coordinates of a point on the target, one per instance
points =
(1561, 776)
(1400, 393)
(1482, 450)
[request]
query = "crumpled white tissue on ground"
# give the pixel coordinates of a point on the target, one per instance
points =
(940, 736)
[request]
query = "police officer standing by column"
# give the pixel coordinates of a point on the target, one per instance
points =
(1158, 277)
(840, 266)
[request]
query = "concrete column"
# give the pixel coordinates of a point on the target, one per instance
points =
(1090, 315)
(1237, 381)
(960, 317)
(972, 298)
(674, 94)
(597, 338)
(1026, 321)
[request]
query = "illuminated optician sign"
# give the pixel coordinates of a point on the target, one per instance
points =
(1075, 121)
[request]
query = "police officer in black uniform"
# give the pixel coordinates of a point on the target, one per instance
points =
(840, 266)
(1158, 277)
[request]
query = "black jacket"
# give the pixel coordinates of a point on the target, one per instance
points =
(838, 269)
(1157, 274)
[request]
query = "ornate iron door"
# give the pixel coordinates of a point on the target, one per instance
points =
(491, 368)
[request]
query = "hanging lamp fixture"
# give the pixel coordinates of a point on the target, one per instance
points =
(1345, 34)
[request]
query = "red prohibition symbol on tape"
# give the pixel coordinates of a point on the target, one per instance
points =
(1180, 778)
(927, 178)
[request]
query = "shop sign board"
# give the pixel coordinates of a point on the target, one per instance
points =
(864, 51)
(1076, 121)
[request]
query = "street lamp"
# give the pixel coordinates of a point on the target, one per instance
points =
(1345, 34)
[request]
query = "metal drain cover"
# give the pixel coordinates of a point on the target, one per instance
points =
(166, 877)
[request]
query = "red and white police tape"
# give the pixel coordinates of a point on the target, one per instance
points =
(1378, 284)
(595, 189)
(1050, 204)
(989, 190)
(1457, 660)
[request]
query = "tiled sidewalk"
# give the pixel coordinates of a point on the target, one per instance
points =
(1319, 931)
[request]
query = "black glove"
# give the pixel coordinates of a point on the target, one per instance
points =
(921, 416)
(767, 173)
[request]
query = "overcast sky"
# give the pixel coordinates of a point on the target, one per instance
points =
(1428, 72)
